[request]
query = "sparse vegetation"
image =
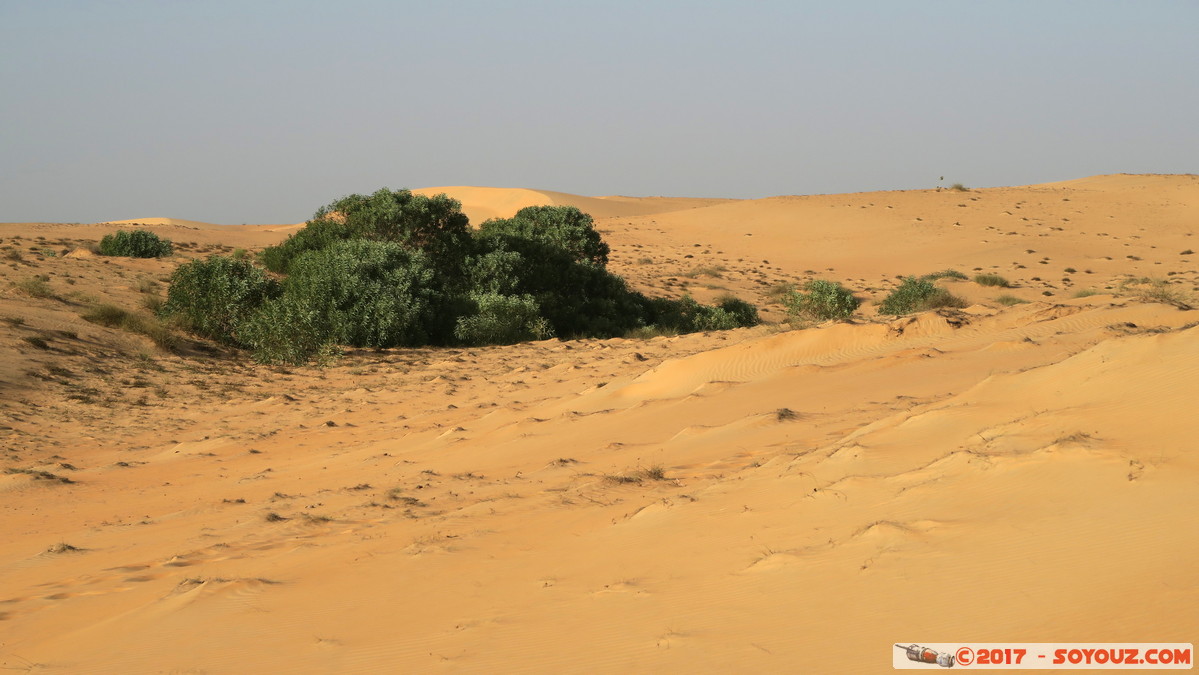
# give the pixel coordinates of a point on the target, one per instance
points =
(917, 295)
(991, 280)
(135, 244)
(36, 287)
(715, 271)
(780, 290)
(1009, 300)
(958, 187)
(1157, 290)
(36, 341)
(653, 473)
(822, 300)
(945, 274)
(38, 474)
(116, 317)
(1085, 293)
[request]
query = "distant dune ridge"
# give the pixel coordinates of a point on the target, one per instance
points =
(483, 203)
(772, 499)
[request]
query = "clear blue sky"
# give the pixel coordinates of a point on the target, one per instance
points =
(256, 111)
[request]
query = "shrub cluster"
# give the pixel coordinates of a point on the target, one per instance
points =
(398, 269)
(135, 244)
(916, 295)
(823, 300)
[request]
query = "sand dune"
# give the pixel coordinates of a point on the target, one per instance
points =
(483, 203)
(175, 222)
(766, 499)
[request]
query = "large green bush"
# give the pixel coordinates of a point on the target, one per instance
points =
(823, 300)
(135, 244)
(917, 295)
(217, 296)
(396, 269)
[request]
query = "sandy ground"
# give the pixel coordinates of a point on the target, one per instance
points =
(774, 499)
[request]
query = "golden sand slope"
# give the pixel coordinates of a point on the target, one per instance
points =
(483, 203)
(756, 500)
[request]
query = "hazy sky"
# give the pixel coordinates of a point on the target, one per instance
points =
(260, 112)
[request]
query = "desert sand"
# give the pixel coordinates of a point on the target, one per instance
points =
(774, 499)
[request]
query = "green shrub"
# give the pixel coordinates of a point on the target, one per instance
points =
(502, 320)
(685, 315)
(745, 314)
(992, 280)
(823, 300)
(285, 331)
(365, 294)
(135, 244)
(316, 235)
(564, 228)
(217, 296)
(917, 295)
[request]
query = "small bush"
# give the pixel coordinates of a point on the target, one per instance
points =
(945, 274)
(992, 280)
(918, 295)
(779, 291)
(1158, 290)
(685, 315)
(823, 300)
(743, 313)
(149, 326)
(1086, 293)
(36, 287)
(135, 244)
(1010, 300)
(37, 341)
(715, 271)
(958, 187)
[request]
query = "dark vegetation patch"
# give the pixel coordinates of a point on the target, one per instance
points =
(394, 269)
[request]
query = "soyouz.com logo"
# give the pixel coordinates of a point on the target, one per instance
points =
(1044, 656)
